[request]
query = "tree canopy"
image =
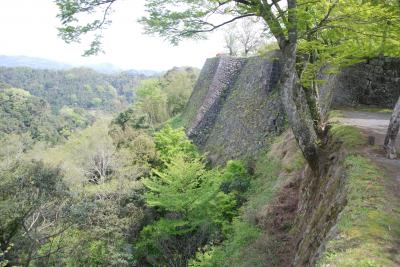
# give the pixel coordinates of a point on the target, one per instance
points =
(80, 87)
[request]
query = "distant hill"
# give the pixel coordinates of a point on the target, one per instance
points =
(106, 68)
(32, 62)
(75, 87)
(41, 63)
(147, 73)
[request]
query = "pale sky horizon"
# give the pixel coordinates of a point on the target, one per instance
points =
(29, 28)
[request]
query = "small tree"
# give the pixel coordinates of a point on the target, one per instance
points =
(31, 206)
(251, 36)
(193, 206)
(101, 164)
(231, 41)
(245, 37)
(152, 101)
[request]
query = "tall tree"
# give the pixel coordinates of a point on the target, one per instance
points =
(310, 35)
(392, 132)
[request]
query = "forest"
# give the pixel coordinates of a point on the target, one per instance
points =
(77, 87)
(117, 170)
(71, 175)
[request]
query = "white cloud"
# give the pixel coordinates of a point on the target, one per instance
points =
(28, 27)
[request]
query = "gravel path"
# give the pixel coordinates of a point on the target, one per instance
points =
(371, 123)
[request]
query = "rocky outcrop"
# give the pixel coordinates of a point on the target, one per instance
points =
(321, 199)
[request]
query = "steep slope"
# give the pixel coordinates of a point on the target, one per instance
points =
(368, 229)
(348, 215)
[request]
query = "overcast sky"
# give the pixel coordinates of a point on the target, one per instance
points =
(29, 27)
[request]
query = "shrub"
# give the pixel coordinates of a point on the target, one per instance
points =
(235, 180)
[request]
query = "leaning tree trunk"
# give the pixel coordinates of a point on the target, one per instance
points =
(296, 107)
(393, 130)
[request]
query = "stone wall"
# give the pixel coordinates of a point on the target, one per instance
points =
(235, 109)
(200, 90)
(252, 113)
(375, 83)
(225, 75)
(240, 110)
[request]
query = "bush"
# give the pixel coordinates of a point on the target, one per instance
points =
(171, 142)
(196, 204)
(236, 180)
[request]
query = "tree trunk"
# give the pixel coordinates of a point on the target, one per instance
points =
(296, 107)
(393, 130)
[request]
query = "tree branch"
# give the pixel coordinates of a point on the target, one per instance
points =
(273, 24)
(280, 11)
(323, 21)
(214, 27)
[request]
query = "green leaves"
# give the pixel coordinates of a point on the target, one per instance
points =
(188, 198)
(184, 186)
(172, 143)
(336, 34)
(70, 12)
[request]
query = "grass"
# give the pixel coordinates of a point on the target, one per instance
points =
(369, 224)
(335, 114)
(263, 187)
(349, 135)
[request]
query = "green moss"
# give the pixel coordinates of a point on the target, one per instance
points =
(335, 114)
(349, 135)
(370, 223)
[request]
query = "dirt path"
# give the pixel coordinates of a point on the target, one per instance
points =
(375, 124)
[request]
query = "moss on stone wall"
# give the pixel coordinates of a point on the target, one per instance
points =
(200, 90)
(247, 114)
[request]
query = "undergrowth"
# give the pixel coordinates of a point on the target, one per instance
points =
(248, 244)
(176, 122)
